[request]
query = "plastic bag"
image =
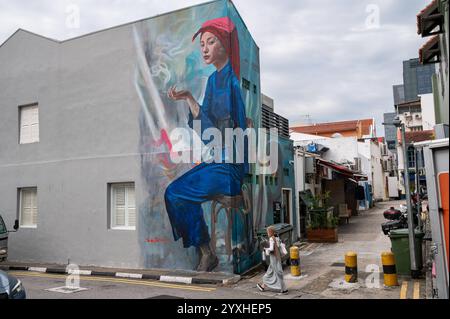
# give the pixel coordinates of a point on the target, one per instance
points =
(283, 249)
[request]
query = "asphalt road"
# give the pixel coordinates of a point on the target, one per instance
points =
(36, 285)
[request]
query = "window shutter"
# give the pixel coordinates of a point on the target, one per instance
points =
(119, 203)
(33, 207)
(29, 124)
(29, 207)
(131, 206)
(123, 210)
(34, 125)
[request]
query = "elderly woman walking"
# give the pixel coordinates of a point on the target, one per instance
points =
(273, 279)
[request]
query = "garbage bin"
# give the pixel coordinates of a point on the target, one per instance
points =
(284, 232)
(400, 248)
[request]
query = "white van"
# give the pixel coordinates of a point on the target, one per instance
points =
(4, 238)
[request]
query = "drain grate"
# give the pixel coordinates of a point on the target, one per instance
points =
(165, 297)
(338, 265)
(66, 290)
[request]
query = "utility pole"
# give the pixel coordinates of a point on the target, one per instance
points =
(415, 272)
(418, 207)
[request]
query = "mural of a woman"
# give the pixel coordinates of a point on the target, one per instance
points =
(222, 108)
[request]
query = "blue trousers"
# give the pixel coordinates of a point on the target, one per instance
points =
(184, 196)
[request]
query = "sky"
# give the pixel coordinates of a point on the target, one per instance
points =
(321, 60)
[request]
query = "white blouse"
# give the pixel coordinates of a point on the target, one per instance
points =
(272, 245)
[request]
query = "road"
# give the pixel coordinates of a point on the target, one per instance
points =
(322, 269)
(36, 285)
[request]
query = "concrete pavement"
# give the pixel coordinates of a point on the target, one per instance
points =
(322, 265)
(322, 268)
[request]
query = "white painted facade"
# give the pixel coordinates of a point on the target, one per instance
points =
(428, 111)
(345, 150)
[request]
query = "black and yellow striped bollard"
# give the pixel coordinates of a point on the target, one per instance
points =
(351, 267)
(389, 269)
(295, 261)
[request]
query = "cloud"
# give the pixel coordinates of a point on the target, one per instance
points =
(318, 57)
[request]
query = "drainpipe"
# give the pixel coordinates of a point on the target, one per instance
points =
(417, 180)
(415, 272)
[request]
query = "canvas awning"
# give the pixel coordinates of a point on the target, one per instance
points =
(342, 170)
(429, 19)
(430, 52)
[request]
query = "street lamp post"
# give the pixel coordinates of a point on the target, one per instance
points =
(415, 272)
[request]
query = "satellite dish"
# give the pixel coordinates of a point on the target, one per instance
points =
(336, 135)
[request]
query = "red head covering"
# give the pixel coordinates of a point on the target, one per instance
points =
(225, 30)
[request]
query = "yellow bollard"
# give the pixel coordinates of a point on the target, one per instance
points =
(295, 261)
(389, 270)
(351, 267)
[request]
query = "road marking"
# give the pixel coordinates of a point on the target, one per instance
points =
(125, 281)
(37, 269)
(183, 280)
(404, 290)
(79, 272)
(128, 275)
(416, 290)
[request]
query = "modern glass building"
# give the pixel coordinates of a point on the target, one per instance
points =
(417, 79)
(390, 132)
(399, 93)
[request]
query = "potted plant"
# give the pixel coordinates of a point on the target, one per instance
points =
(321, 222)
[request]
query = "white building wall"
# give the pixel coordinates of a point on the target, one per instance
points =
(378, 183)
(342, 149)
(428, 112)
(364, 154)
(411, 120)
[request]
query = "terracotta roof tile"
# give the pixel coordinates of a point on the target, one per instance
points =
(335, 127)
(425, 11)
(419, 136)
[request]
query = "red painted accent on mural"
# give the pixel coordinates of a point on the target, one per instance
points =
(156, 240)
(164, 140)
(165, 158)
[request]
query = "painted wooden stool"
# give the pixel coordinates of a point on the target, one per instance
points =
(239, 204)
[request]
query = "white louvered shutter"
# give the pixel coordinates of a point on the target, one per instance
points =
(29, 207)
(131, 206)
(29, 124)
(119, 205)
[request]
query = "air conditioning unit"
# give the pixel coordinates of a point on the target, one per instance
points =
(310, 167)
(356, 167)
(407, 114)
(389, 166)
(418, 116)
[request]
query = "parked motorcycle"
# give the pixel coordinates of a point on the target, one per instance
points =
(397, 219)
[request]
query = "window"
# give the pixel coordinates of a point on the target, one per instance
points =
(411, 157)
(28, 207)
(123, 206)
(29, 124)
(2, 226)
(245, 84)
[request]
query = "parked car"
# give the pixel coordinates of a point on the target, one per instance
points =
(4, 238)
(11, 287)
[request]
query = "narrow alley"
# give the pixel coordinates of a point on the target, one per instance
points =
(322, 265)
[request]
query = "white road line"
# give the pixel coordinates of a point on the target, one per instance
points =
(37, 269)
(184, 280)
(128, 275)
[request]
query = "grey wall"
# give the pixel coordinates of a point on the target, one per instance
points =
(88, 118)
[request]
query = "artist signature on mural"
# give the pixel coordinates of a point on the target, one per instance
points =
(156, 240)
